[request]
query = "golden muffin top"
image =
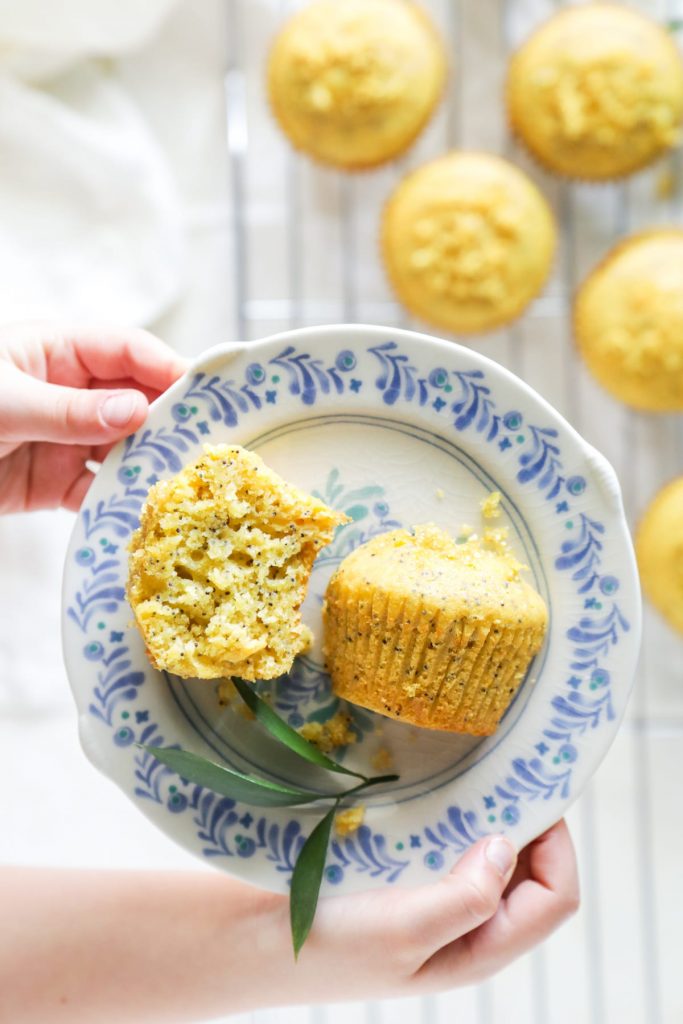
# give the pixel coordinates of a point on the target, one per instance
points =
(597, 91)
(352, 82)
(468, 240)
(219, 567)
(468, 576)
(659, 549)
(629, 320)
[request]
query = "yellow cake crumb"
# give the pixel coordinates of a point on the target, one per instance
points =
(496, 539)
(490, 506)
(219, 567)
(326, 736)
(226, 692)
(665, 184)
(229, 697)
(382, 760)
(430, 631)
(348, 821)
(440, 493)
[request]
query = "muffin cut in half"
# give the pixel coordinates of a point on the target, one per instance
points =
(220, 564)
(430, 631)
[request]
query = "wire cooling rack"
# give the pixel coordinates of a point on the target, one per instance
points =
(305, 252)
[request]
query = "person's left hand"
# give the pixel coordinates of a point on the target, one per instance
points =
(66, 396)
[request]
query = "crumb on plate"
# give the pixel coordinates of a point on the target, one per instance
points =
(490, 506)
(382, 760)
(349, 820)
(326, 736)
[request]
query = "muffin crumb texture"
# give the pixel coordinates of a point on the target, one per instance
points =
(382, 760)
(597, 91)
(336, 732)
(490, 505)
(353, 83)
(219, 567)
(430, 631)
(348, 821)
(659, 550)
(628, 319)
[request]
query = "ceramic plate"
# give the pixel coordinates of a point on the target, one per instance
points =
(395, 429)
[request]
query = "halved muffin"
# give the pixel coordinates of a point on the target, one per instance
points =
(220, 564)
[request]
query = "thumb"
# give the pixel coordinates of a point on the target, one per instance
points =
(467, 897)
(33, 410)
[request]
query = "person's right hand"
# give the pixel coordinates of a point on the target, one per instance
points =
(490, 909)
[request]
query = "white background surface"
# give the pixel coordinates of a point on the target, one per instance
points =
(309, 254)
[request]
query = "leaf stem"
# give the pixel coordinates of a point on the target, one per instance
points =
(375, 780)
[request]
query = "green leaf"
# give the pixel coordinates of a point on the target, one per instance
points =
(228, 782)
(306, 879)
(284, 733)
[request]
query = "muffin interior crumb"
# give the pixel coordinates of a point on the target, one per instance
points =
(349, 820)
(220, 564)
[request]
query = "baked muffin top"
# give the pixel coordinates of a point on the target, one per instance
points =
(659, 550)
(597, 91)
(352, 82)
(467, 241)
(468, 576)
(628, 319)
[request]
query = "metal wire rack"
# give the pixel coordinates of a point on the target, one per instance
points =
(305, 253)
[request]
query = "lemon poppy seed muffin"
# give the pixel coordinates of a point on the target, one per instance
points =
(353, 82)
(659, 550)
(219, 567)
(597, 91)
(432, 632)
(467, 241)
(628, 321)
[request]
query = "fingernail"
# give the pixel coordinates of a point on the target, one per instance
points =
(501, 853)
(117, 410)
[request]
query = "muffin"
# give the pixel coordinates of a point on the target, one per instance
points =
(432, 632)
(467, 241)
(219, 567)
(353, 82)
(628, 321)
(659, 550)
(597, 92)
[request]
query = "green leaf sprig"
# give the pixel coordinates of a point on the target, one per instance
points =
(310, 864)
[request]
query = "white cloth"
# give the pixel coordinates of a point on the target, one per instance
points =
(90, 220)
